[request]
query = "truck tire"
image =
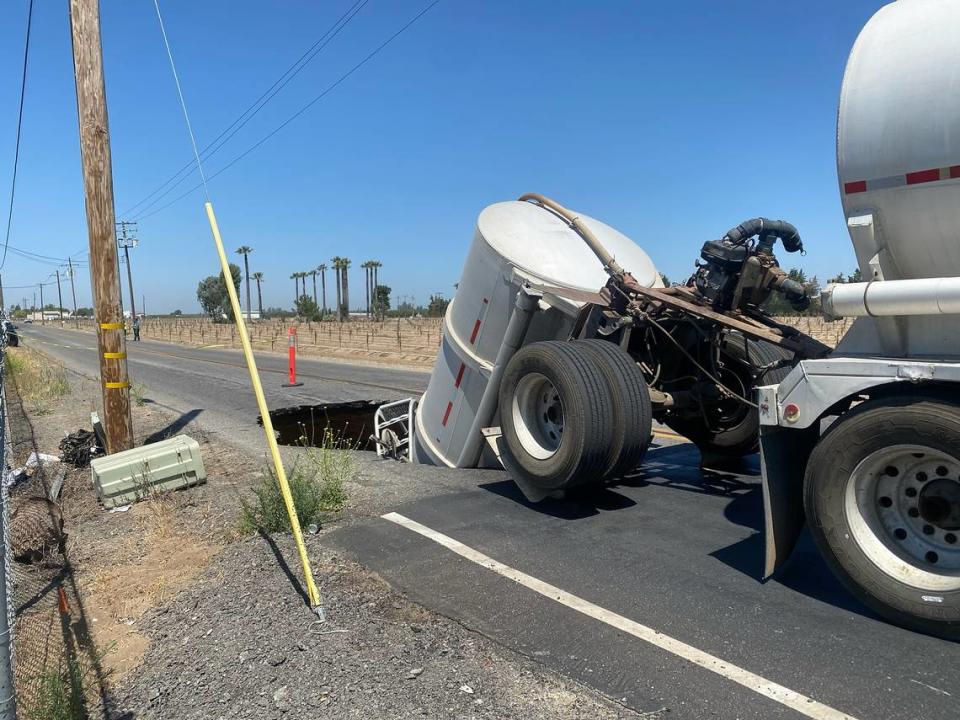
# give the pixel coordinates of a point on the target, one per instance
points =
(882, 497)
(735, 430)
(633, 413)
(556, 416)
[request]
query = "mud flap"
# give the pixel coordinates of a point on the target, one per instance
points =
(783, 459)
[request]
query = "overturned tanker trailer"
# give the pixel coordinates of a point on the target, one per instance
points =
(562, 346)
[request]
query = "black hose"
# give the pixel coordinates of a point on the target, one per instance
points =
(765, 228)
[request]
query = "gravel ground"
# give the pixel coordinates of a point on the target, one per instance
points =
(241, 644)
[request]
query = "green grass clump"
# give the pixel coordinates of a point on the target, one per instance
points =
(39, 380)
(138, 393)
(316, 482)
(59, 694)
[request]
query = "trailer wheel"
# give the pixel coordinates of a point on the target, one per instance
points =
(732, 428)
(556, 415)
(631, 404)
(882, 496)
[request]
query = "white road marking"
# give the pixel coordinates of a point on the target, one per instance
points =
(783, 695)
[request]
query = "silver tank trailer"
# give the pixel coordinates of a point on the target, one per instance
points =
(898, 162)
(864, 447)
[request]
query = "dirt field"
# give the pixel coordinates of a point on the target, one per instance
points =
(401, 341)
(166, 611)
(404, 341)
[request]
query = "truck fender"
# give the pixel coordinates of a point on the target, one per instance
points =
(783, 458)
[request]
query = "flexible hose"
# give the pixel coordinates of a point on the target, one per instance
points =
(787, 233)
(611, 266)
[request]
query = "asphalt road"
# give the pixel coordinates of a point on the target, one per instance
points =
(648, 591)
(211, 387)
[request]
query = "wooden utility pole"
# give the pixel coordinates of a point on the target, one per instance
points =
(126, 242)
(59, 297)
(98, 190)
(43, 317)
(73, 294)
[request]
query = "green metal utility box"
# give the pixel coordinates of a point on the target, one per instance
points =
(139, 473)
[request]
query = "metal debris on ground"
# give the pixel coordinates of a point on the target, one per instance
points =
(29, 468)
(79, 447)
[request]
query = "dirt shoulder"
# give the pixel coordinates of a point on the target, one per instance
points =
(173, 614)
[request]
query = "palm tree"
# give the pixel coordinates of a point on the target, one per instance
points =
(303, 283)
(296, 288)
(346, 288)
(313, 273)
(368, 277)
(322, 269)
(375, 265)
(245, 250)
(258, 277)
(337, 263)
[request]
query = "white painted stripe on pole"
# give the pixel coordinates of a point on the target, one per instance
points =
(783, 695)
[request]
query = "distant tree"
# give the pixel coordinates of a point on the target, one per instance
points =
(258, 276)
(437, 306)
(84, 312)
(346, 287)
(664, 279)
(381, 302)
(277, 312)
(336, 263)
(213, 296)
(245, 250)
(856, 277)
(307, 308)
(210, 296)
(177, 313)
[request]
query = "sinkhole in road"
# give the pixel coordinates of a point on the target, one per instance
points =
(343, 424)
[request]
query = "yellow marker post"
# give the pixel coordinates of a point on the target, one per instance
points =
(312, 593)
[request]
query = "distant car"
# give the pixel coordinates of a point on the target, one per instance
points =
(29, 321)
(10, 331)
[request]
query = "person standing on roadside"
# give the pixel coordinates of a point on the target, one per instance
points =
(136, 329)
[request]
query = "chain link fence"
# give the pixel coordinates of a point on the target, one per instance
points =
(52, 670)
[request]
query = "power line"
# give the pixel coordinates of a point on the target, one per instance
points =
(298, 113)
(16, 152)
(36, 257)
(241, 120)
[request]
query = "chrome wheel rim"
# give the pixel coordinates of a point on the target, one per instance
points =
(902, 505)
(537, 415)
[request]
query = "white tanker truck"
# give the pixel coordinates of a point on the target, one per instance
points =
(542, 374)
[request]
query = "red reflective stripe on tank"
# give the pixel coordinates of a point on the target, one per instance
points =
(446, 415)
(476, 329)
(456, 383)
(923, 176)
(917, 177)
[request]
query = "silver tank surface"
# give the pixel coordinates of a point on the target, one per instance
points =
(898, 138)
(514, 242)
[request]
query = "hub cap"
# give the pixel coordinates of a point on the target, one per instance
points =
(537, 415)
(903, 506)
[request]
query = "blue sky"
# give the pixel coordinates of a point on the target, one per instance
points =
(670, 121)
